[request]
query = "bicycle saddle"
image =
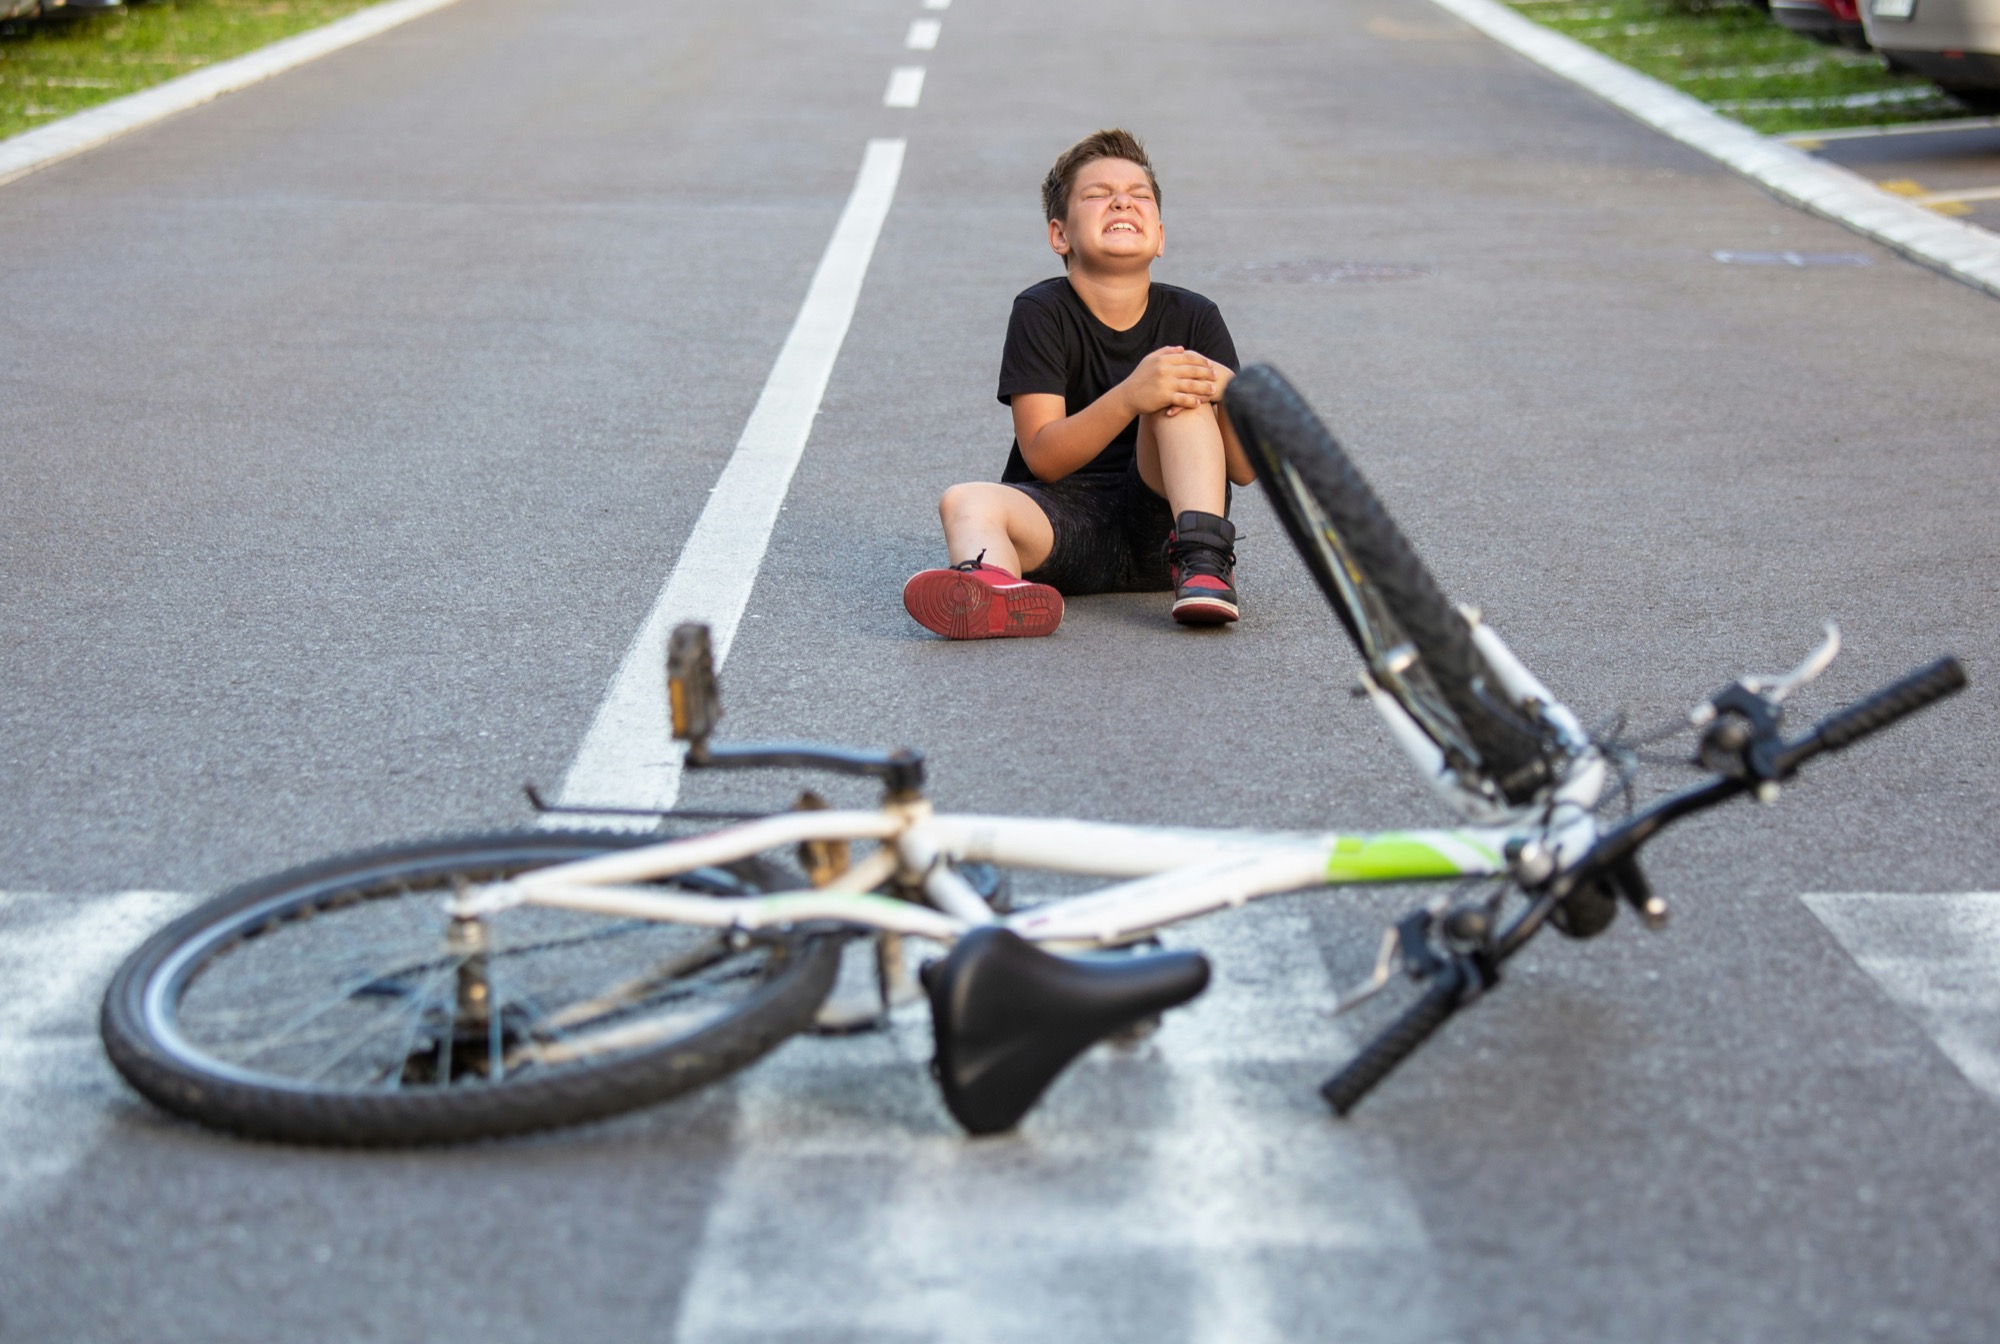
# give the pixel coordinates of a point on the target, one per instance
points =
(1009, 1017)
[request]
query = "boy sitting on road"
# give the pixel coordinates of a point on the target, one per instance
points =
(1119, 477)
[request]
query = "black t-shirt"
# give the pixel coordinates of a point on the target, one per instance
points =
(1056, 344)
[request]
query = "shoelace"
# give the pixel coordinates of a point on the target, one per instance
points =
(972, 565)
(1202, 553)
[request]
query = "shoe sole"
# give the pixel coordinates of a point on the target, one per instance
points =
(959, 607)
(1205, 611)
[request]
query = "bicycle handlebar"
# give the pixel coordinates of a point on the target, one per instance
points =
(1771, 758)
(1398, 1041)
(1843, 728)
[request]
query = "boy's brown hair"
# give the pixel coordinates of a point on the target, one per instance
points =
(1112, 144)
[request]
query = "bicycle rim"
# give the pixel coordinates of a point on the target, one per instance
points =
(338, 1004)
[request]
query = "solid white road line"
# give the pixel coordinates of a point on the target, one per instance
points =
(1960, 250)
(923, 35)
(56, 953)
(1201, 1165)
(30, 150)
(1938, 956)
(627, 759)
(906, 86)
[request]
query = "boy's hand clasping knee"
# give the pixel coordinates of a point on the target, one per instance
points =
(1171, 378)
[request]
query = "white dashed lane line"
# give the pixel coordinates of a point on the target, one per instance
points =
(1935, 955)
(906, 86)
(923, 35)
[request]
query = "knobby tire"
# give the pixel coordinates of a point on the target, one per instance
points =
(1314, 488)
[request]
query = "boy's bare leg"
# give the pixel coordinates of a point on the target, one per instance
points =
(1000, 521)
(1008, 532)
(1181, 458)
(1184, 458)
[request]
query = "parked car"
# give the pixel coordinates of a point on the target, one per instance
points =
(1833, 21)
(1953, 43)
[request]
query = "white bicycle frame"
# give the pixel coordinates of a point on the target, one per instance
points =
(1172, 874)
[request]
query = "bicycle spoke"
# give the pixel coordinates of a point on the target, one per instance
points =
(496, 1060)
(290, 1030)
(415, 1012)
(633, 991)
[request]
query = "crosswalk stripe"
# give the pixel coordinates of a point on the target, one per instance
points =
(1202, 1159)
(56, 952)
(1937, 955)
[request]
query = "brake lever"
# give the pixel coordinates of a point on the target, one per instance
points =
(1379, 978)
(1743, 723)
(1406, 945)
(1773, 690)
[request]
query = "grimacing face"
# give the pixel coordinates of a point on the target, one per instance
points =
(1113, 220)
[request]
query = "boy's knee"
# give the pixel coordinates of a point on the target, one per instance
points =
(960, 500)
(1187, 421)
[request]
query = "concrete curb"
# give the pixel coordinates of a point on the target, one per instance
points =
(1959, 250)
(31, 150)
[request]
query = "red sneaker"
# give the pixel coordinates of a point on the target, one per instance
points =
(1202, 552)
(975, 600)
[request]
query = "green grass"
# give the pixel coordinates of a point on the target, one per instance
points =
(51, 69)
(1735, 59)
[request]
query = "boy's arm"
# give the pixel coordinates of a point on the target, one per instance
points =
(1054, 444)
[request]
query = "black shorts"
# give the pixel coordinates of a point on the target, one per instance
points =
(1111, 534)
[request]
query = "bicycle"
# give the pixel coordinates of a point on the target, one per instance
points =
(490, 985)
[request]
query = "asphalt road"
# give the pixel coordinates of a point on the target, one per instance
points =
(350, 425)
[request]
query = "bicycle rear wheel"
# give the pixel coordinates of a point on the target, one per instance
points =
(330, 1004)
(1417, 646)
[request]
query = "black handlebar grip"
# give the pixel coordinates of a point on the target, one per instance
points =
(1397, 1042)
(1887, 705)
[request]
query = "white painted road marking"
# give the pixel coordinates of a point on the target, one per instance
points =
(56, 953)
(906, 86)
(1203, 1164)
(937, 4)
(627, 758)
(1936, 955)
(59, 140)
(923, 34)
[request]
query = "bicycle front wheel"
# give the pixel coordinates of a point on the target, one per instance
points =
(333, 1004)
(1417, 646)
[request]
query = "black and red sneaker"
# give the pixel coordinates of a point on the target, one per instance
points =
(1202, 553)
(975, 600)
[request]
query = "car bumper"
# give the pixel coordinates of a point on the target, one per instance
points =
(1814, 21)
(1935, 26)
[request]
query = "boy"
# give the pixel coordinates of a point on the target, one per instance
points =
(1120, 473)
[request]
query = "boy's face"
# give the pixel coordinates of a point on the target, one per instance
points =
(1114, 222)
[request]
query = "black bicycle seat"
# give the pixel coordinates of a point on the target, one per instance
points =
(1009, 1017)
